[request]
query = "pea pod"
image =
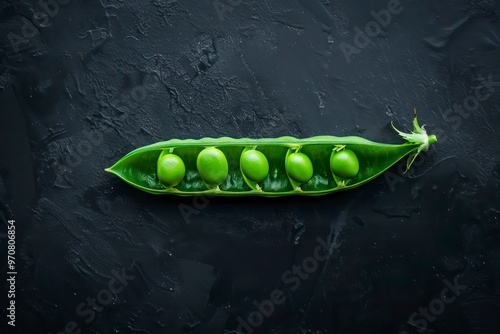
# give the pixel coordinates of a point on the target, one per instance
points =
(268, 167)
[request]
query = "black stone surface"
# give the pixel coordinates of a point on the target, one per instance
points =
(84, 82)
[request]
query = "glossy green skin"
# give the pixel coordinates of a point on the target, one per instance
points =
(254, 165)
(170, 169)
(211, 164)
(299, 167)
(138, 168)
(344, 164)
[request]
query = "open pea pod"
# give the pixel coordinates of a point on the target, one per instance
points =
(264, 167)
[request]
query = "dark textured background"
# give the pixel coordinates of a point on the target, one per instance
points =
(100, 78)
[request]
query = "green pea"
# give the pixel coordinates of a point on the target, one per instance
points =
(344, 164)
(299, 167)
(212, 166)
(170, 170)
(254, 165)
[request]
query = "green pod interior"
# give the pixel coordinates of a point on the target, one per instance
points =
(138, 168)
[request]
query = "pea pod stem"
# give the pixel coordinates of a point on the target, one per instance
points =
(417, 136)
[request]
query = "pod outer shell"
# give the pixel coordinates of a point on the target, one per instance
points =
(135, 167)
